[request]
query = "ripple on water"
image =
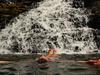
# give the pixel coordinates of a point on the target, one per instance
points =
(34, 68)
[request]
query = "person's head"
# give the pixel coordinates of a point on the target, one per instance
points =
(52, 51)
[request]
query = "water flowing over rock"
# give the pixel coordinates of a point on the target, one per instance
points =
(54, 24)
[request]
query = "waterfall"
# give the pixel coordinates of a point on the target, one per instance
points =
(53, 24)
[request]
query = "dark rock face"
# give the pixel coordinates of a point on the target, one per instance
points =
(95, 18)
(89, 3)
(94, 21)
(11, 8)
(94, 6)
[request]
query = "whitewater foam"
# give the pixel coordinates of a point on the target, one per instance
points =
(54, 24)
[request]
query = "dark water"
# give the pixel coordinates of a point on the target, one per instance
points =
(29, 67)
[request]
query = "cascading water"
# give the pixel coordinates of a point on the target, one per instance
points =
(53, 24)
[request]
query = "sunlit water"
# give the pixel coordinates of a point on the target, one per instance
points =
(53, 24)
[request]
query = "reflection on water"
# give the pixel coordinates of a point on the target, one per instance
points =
(50, 68)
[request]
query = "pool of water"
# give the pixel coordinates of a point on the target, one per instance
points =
(75, 69)
(30, 67)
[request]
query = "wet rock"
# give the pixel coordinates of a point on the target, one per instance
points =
(11, 8)
(95, 51)
(94, 21)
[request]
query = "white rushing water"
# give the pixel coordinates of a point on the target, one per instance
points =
(53, 24)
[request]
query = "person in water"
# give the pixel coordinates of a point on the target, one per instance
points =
(52, 54)
(49, 57)
(91, 62)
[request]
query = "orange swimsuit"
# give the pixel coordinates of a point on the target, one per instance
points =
(93, 62)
